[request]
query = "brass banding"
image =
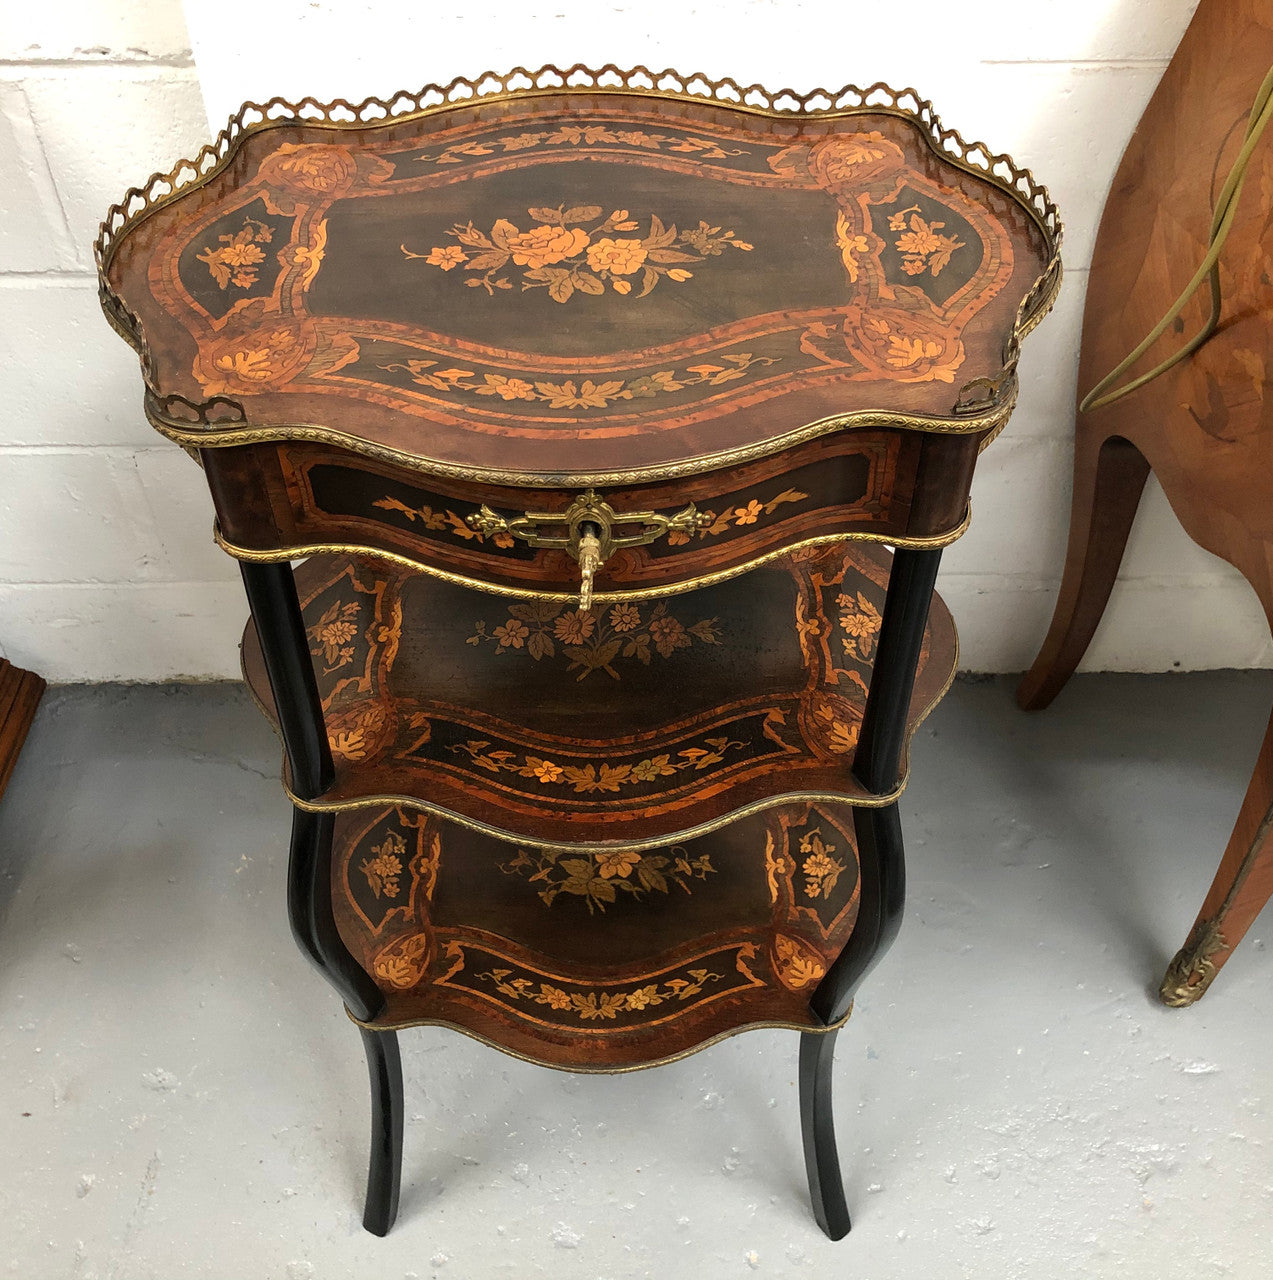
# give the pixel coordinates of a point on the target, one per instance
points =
(299, 551)
(577, 1069)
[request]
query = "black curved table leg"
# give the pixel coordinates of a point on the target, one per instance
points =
(384, 1168)
(271, 592)
(817, 1127)
(882, 865)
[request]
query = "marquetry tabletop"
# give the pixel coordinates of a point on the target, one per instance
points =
(616, 276)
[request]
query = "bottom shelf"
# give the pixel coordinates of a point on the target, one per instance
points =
(597, 962)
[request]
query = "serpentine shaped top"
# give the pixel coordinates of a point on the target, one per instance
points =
(581, 274)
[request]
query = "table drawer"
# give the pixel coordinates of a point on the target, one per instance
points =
(656, 537)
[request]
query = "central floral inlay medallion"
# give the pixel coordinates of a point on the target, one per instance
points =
(578, 250)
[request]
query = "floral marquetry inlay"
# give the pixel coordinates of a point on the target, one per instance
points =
(602, 878)
(236, 257)
(579, 392)
(578, 250)
(600, 775)
(595, 639)
(923, 249)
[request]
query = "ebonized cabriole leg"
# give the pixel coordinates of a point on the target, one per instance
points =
(883, 871)
(384, 1169)
(276, 612)
(817, 1126)
(878, 757)
(882, 867)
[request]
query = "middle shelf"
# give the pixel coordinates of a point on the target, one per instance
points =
(621, 727)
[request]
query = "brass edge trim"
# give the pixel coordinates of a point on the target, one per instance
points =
(999, 170)
(679, 587)
(591, 846)
(231, 435)
(603, 1071)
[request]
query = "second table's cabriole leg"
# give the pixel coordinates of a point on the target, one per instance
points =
(276, 612)
(1109, 478)
(1243, 884)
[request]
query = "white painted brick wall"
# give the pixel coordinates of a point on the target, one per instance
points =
(107, 569)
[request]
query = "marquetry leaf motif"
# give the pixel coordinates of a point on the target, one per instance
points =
(598, 777)
(796, 963)
(402, 964)
(596, 1004)
(579, 392)
(735, 518)
(575, 136)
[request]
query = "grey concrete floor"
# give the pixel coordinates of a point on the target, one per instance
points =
(181, 1096)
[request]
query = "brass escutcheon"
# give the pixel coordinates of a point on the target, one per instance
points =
(590, 529)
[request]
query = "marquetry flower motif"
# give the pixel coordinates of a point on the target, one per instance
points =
(309, 169)
(594, 640)
(591, 1004)
(796, 963)
(905, 345)
(446, 256)
(604, 776)
(575, 626)
(544, 770)
(235, 258)
(617, 864)
(821, 870)
(332, 635)
(401, 965)
(904, 342)
(383, 870)
(580, 393)
(861, 622)
(581, 249)
(544, 246)
(512, 635)
(714, 523)
(922, 248)
(625, 617)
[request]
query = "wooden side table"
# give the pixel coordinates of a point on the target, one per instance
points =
(1203, 427)
(590, 398)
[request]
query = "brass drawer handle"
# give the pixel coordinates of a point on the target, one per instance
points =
(590, 529)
